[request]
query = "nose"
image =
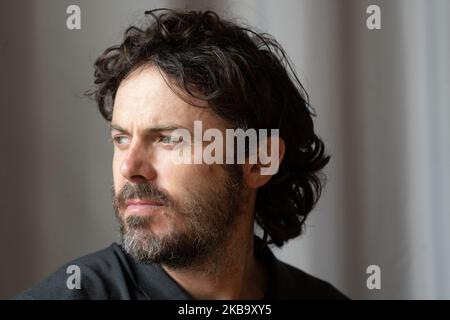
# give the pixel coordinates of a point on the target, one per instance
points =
(137, 164)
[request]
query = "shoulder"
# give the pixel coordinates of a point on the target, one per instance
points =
(301, 285)
(99, 275)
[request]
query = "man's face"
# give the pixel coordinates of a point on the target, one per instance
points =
(168, 213)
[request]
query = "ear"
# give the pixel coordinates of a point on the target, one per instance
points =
(257, 175)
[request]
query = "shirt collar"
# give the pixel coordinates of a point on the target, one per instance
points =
(157, 284)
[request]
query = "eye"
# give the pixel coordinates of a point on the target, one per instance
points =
(120, 140)
(170, 139)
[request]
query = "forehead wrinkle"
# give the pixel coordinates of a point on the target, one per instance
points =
(145, 99)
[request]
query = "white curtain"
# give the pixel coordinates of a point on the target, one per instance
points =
(383, 101)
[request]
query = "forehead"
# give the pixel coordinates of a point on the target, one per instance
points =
(144, 98)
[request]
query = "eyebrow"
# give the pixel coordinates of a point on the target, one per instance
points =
(113, 126)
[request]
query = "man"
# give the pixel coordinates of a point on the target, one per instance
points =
(186, 222)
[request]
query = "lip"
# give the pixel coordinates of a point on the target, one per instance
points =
(142, 202)
(143, 207)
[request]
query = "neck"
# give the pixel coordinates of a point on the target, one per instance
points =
(232, 272)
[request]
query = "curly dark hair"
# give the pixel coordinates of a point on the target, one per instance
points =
(248, 80)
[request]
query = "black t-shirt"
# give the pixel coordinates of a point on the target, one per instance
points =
(113, 274)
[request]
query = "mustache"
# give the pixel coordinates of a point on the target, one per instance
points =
(140, 191)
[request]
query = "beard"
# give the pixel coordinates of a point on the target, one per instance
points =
(207, 218)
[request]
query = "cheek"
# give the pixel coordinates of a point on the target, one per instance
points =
(172, 177)
(181, 179)
(117, 177)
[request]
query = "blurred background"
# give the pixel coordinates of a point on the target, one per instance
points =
(382, 99)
